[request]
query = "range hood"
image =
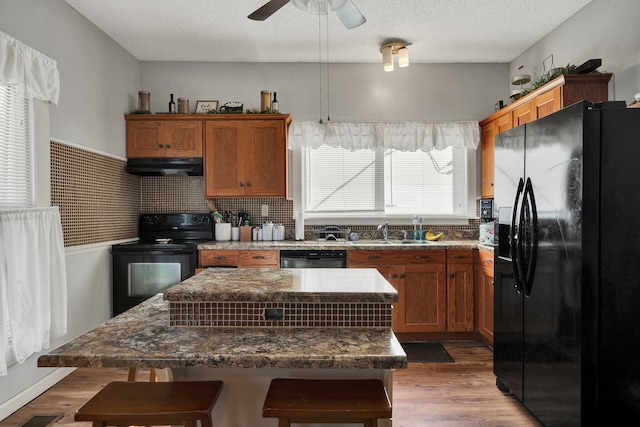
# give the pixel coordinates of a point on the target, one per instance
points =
(165, 166)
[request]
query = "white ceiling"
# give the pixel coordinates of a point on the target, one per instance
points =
(439, 31)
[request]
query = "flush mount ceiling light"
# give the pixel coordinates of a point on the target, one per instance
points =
(391, 48)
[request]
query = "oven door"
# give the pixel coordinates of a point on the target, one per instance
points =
(142, 271)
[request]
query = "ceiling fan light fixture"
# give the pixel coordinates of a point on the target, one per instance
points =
(348, 13)
(301, 4)
(403, 57)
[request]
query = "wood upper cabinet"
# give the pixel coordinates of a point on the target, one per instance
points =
(245, 158)
(489, 133)
(460, 288)
(553, 96)
(419, 278)
(485, 289)
(164, 138)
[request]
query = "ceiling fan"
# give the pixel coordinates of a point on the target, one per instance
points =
(345, 9)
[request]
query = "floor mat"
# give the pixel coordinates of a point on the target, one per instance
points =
(41, 420)
(426, 352)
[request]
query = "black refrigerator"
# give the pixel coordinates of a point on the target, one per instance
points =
(567, 265)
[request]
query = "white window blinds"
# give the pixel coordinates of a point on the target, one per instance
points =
(16, 149)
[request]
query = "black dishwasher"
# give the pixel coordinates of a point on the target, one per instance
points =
(313, 259)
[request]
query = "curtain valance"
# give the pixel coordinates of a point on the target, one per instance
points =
(28, 69)
(403, 136)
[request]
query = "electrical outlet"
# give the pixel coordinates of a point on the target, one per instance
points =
(264, 210)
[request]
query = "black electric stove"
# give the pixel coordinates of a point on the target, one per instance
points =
(166, 254)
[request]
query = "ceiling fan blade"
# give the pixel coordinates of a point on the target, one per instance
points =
(350, 15)
(267, 10)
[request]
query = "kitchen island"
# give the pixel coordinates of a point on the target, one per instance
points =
(303, 323)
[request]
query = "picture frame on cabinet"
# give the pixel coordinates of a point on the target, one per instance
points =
(204, 107)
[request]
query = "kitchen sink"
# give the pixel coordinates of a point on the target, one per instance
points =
(372, 242)
(414, 242)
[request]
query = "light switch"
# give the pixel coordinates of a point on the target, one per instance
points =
(264, 210)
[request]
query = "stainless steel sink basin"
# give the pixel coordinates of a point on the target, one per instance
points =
(372, 242)
(414, 242)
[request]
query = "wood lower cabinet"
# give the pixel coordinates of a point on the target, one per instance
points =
(165, 137)
(419, 278)
(239, 258)
(259, 259)
(460, 289)
(485, 289)
(246, 158)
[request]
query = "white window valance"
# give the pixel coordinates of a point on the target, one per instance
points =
(28, 69)
(403, 136)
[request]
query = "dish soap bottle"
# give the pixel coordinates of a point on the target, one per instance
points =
(172, 105)
(275, 106)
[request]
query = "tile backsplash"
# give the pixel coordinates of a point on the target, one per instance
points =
(99, 201)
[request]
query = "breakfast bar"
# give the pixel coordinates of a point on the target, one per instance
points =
(248, 326)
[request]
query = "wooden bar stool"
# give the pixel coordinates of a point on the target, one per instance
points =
(125, 403)
(326, 401)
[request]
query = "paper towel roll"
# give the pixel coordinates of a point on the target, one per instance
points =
(299, 226)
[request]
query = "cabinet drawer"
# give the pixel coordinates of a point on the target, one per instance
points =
(218, 258)
(260, 258)
(394, 257)
(460, 256)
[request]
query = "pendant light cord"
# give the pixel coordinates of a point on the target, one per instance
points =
(320, 67)
(328, 79)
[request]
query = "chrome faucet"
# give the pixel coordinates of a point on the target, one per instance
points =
(385, 230)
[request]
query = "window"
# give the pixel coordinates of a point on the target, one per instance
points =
(16, 149)
(389, 182)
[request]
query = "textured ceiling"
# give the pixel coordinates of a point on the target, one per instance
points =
(439, 31)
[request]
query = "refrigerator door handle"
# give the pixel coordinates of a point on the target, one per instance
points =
(532, 242)
(515, 240)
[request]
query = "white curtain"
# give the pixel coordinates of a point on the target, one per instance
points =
(403, 136)
(33, 282)
(28, 69)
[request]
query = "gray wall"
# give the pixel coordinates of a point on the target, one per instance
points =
(361, 92)
(98, 82)
(606, 29)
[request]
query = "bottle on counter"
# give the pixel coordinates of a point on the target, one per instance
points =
(172, 105)
(274, 104)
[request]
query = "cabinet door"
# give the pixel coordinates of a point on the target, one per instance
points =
(395, 275)
(144, 139)
(524, 114)
(486, 158)
(425, 298)
(183, 138)
(224, 159)
(264, 155)
(547, 103)
(460, 297)
(485, 295)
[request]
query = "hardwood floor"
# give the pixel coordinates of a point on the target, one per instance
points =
(459, 394)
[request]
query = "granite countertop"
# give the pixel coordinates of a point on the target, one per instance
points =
(340, 245)
(141, 337)
(285, 285)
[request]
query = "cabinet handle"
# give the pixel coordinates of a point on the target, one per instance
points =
(492, 184)
(257, 257)
(220, 257)
(452, 275)
(248, 184)
(242, 184)
(493, 283)
(168, 145)
(393, 276)
(373, 257)
(461, 256)
(160, 145)
(402, 276)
